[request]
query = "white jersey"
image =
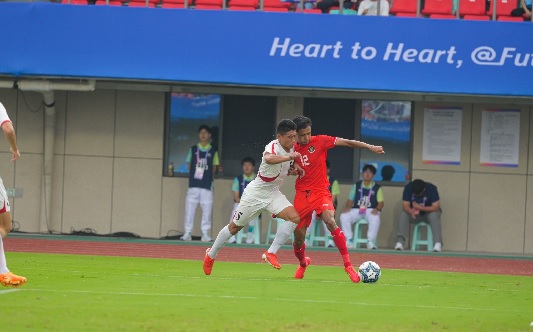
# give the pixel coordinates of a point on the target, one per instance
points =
(270, 176)
(3, 115)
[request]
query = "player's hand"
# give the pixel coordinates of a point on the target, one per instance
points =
(15, 154)
(295, 155)
(376, 149)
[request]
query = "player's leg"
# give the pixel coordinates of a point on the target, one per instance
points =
(402, 230)
(340, 241)
(7, 278)
(191, 201)
(310, 229)
(283, 209)
(232, 238)
(299, 250)
(245, 212)
(373, 228)
(206, 203)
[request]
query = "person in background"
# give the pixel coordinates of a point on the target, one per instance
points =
(370, 8)
(202, 162)
(7, 278)
(364, 201)
(239, 183)
(421, 202)
(387, 173)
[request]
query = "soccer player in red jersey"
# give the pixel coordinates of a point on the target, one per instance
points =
(312, 192)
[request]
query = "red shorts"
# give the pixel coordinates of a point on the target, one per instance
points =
(307, 201)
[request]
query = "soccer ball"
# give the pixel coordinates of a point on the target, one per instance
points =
(369, 272)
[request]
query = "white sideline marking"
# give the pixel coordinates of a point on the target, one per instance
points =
(2, 292)
(273, 299)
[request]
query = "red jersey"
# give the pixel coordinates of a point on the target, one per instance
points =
(313, 161)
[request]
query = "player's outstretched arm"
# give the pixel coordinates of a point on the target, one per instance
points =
(271, 158)
(9, 132)
(360, 145)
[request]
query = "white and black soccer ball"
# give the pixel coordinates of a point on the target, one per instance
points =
(369, 272)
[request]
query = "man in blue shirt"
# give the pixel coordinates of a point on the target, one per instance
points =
(421, 202)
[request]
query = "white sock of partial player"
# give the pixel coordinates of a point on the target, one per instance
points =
(3, 264)
(222, 238)
(282, 235)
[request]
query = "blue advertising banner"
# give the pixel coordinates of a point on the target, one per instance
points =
(267, 49)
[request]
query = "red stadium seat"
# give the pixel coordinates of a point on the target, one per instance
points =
(510, 19)
(111, 3)
(242, 8)
(477, 17)
(243, 3)
(172, 5)
(472, 7)
(403, 6)
(443, 16)
(503, 7)
(141, 4)
(405, 15)
(437, 7)
(276, 9)
(74, 2)
(275, 4)
(208, 7)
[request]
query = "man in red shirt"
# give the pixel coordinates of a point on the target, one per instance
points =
(312, 192)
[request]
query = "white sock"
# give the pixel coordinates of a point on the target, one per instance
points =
(3, 263)
(222, 238)
(282, 235)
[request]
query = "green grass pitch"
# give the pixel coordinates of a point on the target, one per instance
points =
(96, 293)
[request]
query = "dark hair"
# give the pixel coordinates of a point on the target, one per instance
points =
(369, 167)
(284, 126)
(418, 186)
(302, 122)
(206, 127)
(327, 163)
(248, 160)
(387, 172)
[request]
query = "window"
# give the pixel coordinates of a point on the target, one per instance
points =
(387, 123)
(186, 112)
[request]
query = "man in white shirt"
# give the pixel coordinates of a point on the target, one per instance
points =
(7, 278)
(370, 8)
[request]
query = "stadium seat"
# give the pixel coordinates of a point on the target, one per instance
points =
(208, 7)
(358, 237)
(208, 4)
(242, 8)
(276, 9)
(437, 7)
(176, 3)
(472, 7)
(315, 234)
(405, 15)
(111, 3)
(312, 11)
(403, 6)
(140, 4)
(243, 3)
(510, 19)
(417, 240)
(443, 16)
(503, 7)
(276, 4)
(74, 2)
(476, 17)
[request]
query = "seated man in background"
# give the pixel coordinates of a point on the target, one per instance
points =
(364, 201)
(370, 8)
(239, 183)
(421, 202)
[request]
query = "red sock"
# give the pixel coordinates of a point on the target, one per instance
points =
(300, 254)
(340, 242)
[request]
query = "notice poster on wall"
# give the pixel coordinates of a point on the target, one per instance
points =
(500, 138)
(442, 136)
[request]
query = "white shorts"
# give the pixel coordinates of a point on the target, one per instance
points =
(250, 208)
(4, 202)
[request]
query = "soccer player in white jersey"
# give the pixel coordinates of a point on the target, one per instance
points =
(7, 278)
(263, 192)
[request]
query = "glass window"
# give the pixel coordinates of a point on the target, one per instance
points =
(186, 113)
(387, 123)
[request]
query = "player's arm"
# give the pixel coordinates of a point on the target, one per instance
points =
(271, 158)
(9, 133)
(358, 145)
